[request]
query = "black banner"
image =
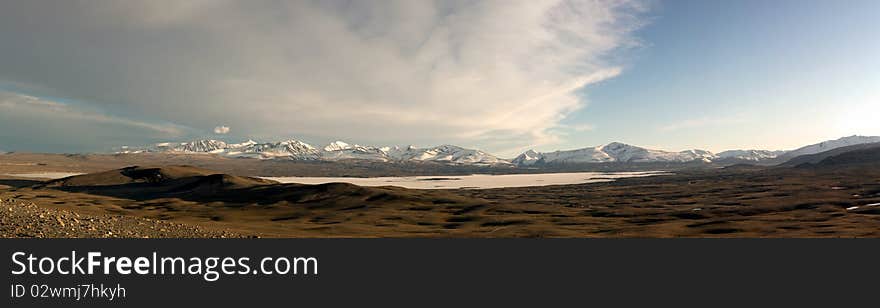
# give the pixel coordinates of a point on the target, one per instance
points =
(446, 272)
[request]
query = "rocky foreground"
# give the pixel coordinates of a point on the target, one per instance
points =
(25, 219)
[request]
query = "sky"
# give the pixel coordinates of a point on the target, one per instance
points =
(501, 76)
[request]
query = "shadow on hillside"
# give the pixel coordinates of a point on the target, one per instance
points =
(19, 183)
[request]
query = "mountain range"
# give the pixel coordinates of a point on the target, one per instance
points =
(614, 152)
(335, 151)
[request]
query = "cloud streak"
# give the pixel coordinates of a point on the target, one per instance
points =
(494, 73)
(19, 105)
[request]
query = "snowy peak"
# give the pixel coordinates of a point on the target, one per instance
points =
(449, 154)
(750, 155)
(250, 148)
(697, 155)
(618, 147)
(623, 152)
(527, 158)
(197, 146)
(612, 152)
(335, 151)
(241, 145)
(341, 151)
(294, 149)
(296, 144)
(337, 146)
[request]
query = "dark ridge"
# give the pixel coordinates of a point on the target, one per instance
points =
(205, 186)
(814, 159)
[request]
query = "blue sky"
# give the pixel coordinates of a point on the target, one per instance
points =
(502, 77)
(734, 74)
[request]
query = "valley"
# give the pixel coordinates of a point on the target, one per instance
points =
(835, 193)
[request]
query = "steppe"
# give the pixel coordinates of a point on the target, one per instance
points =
(205, 196)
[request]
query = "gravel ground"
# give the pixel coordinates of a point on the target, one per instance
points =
(25, 219)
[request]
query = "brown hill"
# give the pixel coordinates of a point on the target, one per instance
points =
(251, 205)
(201, 185)
(734, 202)
(154, 182)
(155, 175)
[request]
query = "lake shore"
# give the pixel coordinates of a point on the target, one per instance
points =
(474, 181)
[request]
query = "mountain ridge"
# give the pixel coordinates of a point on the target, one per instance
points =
(830, 145)
(614, 152)
(337, 150)
(817, 158)
(611, 152)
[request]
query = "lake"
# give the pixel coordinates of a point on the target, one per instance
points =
(44, 175)
(475, 181)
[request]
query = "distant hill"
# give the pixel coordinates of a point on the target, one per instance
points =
(829, 145)
(747, 155)
(205, 186)
(812, 159)
(860, 158)
(153, 181)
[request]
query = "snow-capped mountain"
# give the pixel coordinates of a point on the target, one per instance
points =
(293, 149)
(446, 154)
(335, 151)
(620, 152)
(198, 146)
(615, 152)
(612, 152)
(750, 155)
(527, 158)
(241, 145)
(702, 155)
(831, 144)
(336, 146)
(340, 151)
(585, 155)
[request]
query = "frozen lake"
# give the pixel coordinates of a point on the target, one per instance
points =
(44, 175)
(475, 181)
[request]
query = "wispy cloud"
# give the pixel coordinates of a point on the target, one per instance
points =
(48, 110)
(490, 72)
